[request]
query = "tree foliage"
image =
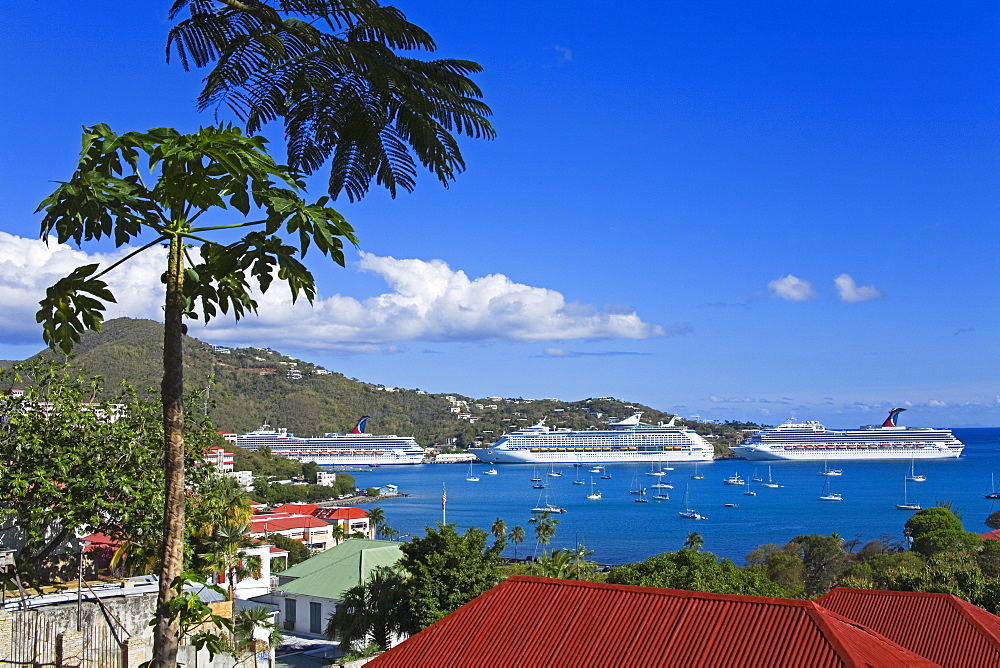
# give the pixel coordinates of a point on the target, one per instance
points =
(446, 570)
(72, 466)
(694, 571)
(374, 611)
(331, 73)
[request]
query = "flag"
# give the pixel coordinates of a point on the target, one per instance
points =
(444, 497)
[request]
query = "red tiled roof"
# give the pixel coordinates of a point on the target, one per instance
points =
(526, 621)
(941, 627)
(298, 508)
(283, 522)
(995, 535)
(352, 513)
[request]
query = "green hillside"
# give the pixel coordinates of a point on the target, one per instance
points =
(256, 385)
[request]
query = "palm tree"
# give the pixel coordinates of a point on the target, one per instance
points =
(227, 558)
(580, 562)
(545, 528)
(694, 541)
(516, 536)
(337, 533)
(373, 611)
(246, 634)
(499, 528)
(375, 518)
(387, 532)
(182, 178)
(555, 564)
(330, 72)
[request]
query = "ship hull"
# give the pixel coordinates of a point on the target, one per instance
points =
(361, 459)
(834, 454)
(500, 456)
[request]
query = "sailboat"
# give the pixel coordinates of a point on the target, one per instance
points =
(577, 480)
(547, 507)
(770, 482)
(686, 511)
(906, 505)
(994, 494)
(657, 472)
(750, 491)
(830, 496)
(553, 473)
(829, 471)
(636, 487)
(534, 477)
(595, 495)
(755, 477)
(915, 477)
(697, 476)
(471, 477)
(606, 475)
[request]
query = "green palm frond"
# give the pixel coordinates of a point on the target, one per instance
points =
(330, 72)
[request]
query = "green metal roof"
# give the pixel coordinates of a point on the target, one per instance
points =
(332, 572)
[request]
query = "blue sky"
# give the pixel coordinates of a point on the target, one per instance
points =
(732, 210)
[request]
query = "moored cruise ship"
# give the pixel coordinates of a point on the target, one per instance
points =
(355, 448)
(812, 441)
(627, 440)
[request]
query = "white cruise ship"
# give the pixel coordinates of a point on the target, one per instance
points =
(627, 440)
(355, 448)
(812, 441)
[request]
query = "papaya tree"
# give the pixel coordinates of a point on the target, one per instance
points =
(150, 189)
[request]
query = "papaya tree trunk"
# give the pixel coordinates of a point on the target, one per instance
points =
(165, 632)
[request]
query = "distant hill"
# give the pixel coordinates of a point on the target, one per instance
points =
(254, 385)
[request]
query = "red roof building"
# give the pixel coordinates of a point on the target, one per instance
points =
(351, 520)
(543, 622)
(310, 530)
(991, 535)
(941, 627)
(297, 508)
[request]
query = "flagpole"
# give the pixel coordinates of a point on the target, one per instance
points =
(444, 504)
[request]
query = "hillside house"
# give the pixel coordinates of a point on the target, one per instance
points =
(308, 593)
(313, 532)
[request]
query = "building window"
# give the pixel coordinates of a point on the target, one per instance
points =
(290, 610)
(315, 618)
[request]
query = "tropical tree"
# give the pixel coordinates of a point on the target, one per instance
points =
(545, 528)
(694, 571)
(376, 517)
(446, 570)
(516, 537)
(581, 563)
(330, 72)
(160, 200)
(247, 639)
(227, 543)
(554, 564)
(499, 529)
(694, 541)
(373, 611)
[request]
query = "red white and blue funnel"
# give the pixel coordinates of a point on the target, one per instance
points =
(891, 420)
(359, 428)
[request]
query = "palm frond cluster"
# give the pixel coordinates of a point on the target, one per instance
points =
(331, 72)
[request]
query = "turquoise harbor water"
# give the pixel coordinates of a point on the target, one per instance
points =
(621, 531)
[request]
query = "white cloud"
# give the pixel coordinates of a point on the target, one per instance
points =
(850, 292)
(792, 288)
(937, 403)
(428, 301)
(29, 266)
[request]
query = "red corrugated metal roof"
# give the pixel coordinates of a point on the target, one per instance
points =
(941, 627)
(297, 508)
(542, 622)
(262, 523)
(351, 513)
